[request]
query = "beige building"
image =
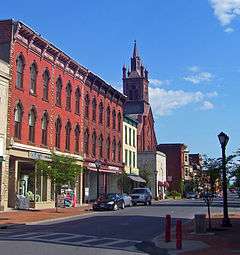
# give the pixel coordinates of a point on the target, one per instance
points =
(4, 85)
(154, 165)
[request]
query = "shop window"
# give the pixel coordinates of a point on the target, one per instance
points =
(114, 150)
(31, 124)
(134, 138)
(126, 157)
(68, 136)
(86, 109)
(77, 137)
(130, 136)
(59, 92)
(20, 69)
(108, 148)
(134, 159)
(94, 109)
(108, 116)
(114, 119)
(68, 96)
(77, 101)
(126, 135)
(58, 126)
(86, 141)
(119, 121)
(46, 79)
(18, 121)
(94, 143)
(33, 77)
(130, 158)
(100, 113)
(100, 142)
(45, 120)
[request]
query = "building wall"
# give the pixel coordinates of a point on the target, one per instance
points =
(130, 147)
(4, 85)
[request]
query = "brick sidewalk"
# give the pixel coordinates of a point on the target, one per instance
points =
(225, 241)
(27, 216)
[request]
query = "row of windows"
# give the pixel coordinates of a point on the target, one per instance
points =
(58, 99)
(130, 136)
(115, 148)
(130, 158)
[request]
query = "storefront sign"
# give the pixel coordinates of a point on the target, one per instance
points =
(39, 156)
(113, 168)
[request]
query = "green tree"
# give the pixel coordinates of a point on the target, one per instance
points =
(146, 173)
(61, 170)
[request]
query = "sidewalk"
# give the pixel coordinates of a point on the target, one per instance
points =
(31, 216)
(223, 241)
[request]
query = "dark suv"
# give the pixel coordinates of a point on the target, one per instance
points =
(141, 195)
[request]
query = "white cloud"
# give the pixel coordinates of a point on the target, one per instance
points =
(158, 82)
(199, 77)
(164, 101)
(229, 30)
(207, 106)
(226, 10)
(194, 69)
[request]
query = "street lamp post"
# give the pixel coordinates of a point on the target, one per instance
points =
(223, 139)
(98, 164)
(156, 184)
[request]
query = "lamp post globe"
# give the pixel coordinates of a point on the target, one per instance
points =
(223, 139)
(98, 165)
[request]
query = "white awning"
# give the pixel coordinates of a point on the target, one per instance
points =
(136, 178)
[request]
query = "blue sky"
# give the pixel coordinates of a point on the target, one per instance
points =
(190, 47)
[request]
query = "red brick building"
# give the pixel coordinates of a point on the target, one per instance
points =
(177, 164)
(135, 87)
(57, 104)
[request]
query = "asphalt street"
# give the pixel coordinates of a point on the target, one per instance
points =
(120, 231)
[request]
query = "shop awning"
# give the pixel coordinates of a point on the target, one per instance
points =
(136, 178)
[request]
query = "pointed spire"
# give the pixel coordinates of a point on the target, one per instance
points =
(135, 51)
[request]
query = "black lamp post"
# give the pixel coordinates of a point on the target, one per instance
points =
(156, 184)
(98, 164)
(223, 139)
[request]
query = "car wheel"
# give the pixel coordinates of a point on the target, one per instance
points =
(150, 202)
(131, 204)
(134, 204)
(145, 203)
(123, 205)
(115, 207)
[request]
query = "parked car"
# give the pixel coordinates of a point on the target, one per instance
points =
(141, 195)
(111, 201)
(127, 199)
(190, 195)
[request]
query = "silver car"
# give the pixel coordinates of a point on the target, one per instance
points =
(141, 195)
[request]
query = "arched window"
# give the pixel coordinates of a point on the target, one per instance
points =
(46, 79)
(114, 119)
(31, 124)
(108, 147)
(58, 126)
(18, 121)
(108, 116)
(86, 141)
(114, 147)
(100, 109)
(119, 121)
(77, 138)
(59, 92)
(100, 144)
(77, 101)
(68, 128)
(45, 120)
(119, 151)
(68, 96)
(94, 143)
(33, 76)
(20, 68)
(94, 109)
(86, 110)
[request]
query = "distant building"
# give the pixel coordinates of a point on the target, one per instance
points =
(178, 168)
(135, 87)
(4, 84)
(154, 164)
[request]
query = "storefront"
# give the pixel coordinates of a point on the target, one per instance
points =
(26, 181)
(108, 181)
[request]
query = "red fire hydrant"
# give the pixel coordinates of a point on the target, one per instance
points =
(168, 228)
(179, 235)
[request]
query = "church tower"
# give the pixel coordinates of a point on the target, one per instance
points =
(135, 80)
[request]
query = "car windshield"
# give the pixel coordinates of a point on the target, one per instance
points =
(111, 196)
(139, 191)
